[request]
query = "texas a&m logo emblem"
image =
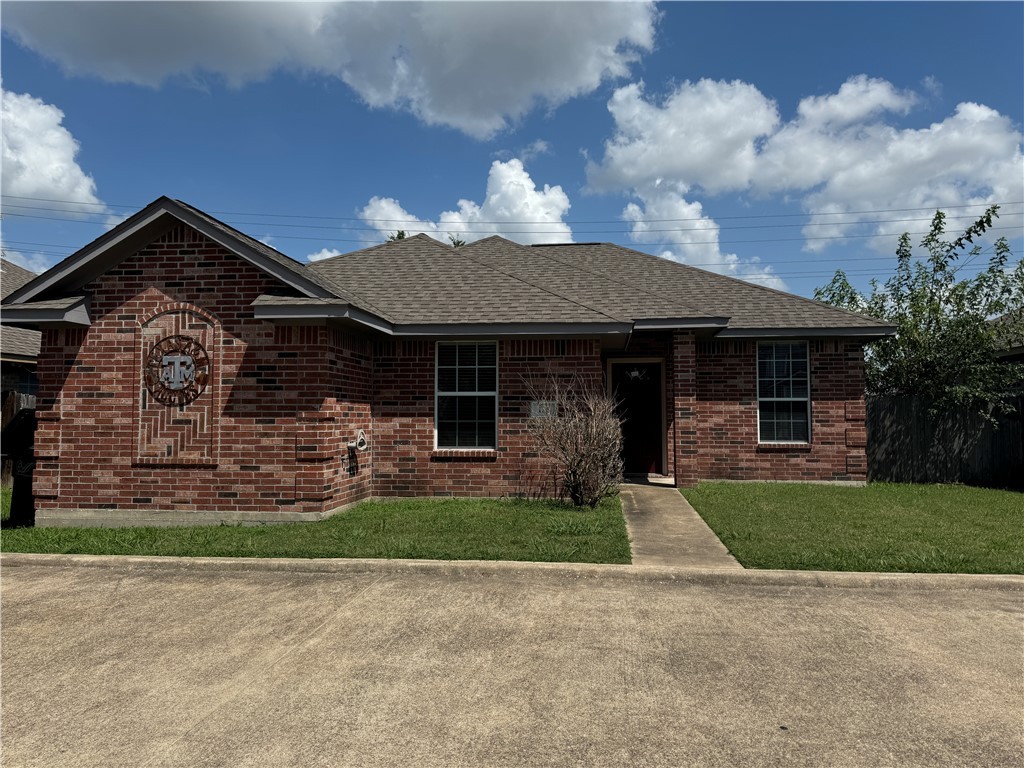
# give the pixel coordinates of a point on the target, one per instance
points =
(177, 370)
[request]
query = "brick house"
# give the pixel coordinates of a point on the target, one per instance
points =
(188, 372)
(19, 347)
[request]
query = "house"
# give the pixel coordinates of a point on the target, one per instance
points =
(18, 346)
(191, 373)
(1009, 329)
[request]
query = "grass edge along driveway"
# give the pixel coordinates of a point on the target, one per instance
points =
(441, 529)
(888, 527)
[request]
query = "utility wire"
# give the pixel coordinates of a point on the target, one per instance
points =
(635, 242)
(575, 231)
(570, 222)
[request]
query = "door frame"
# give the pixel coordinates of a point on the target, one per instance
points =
(664, 394)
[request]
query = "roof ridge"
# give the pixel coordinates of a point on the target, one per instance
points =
(776, 291)
(385, 244)
(640, 288)
(577, 302)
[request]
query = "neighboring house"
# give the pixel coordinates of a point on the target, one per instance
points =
(19, 347)
(1010, 335)
(188, 371)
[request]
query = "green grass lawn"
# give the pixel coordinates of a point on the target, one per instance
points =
(448, 529)
(882, 527)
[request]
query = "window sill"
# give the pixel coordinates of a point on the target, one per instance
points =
(464, 454)
(783, 447)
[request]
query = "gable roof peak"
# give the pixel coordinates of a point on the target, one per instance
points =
(137, 230)
(421, 236)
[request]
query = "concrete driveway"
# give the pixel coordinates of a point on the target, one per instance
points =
(175, 667)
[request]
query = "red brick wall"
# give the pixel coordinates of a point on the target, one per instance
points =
(280, 415)
(726, 405)
(405, 462)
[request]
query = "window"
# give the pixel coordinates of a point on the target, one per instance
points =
(783, 392)
(466, 407)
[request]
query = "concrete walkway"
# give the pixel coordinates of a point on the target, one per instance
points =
(665, 530)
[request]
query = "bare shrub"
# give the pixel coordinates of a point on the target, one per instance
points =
(581, 432)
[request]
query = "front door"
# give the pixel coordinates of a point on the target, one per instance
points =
(636, 387)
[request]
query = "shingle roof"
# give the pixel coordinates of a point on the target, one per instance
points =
(419, 280)
(747, 305)
(20, 342)
(275, 255)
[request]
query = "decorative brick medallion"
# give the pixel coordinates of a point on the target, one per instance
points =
(178, 394)
(177, 370)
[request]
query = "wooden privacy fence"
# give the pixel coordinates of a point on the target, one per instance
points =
(908, 444)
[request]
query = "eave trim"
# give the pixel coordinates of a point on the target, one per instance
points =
(320, 312)
(31, 317)
(680, 323)
(764, 333)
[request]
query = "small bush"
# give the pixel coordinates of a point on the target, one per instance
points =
(583, 434)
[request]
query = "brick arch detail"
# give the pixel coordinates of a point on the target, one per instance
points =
(187, 435)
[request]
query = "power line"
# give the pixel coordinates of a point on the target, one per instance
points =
(578, 231)
(567, 222)
(635, 242)
(527, 232)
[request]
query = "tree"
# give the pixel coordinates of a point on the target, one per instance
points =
(578, 428)
(399, 235)
(455, 240)
(946, 335)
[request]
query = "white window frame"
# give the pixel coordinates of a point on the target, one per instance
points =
(438, 394)
(757, 375)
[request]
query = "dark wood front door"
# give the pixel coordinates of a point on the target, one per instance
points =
(638, 394)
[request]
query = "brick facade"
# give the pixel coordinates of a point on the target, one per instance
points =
(711, 413)
(406, 463)
(265, 437)
(270, 435)
(726, 431)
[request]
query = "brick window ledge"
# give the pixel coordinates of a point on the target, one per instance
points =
(463, 454)
(784, 447)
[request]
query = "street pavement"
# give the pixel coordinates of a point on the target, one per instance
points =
(128, 666)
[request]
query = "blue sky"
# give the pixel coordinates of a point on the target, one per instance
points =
(769, 141)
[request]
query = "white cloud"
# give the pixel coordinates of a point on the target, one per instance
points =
(534, 150)
(387, 216)
(323, 253)
(33, 262)
(471, 66)
(841, 153)
(513, 207)
(702, 135)
(527, 154)
(39, 156)
(690, 237)
(858, 99)
(971, 158)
